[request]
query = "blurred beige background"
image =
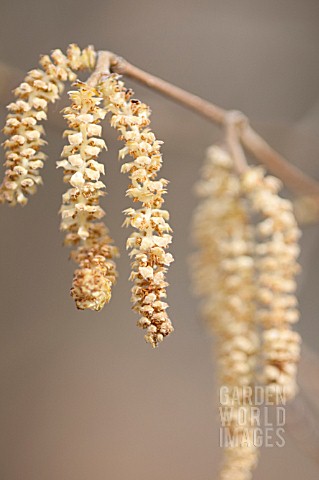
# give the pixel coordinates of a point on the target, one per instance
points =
(82, 396)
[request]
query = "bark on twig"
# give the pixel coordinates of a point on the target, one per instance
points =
(292, 176)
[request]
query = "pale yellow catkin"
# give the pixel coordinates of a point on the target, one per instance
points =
(80, 210)
(276, 256)
(244, 270)
(223, 272)
(152, 237)
(24, 157)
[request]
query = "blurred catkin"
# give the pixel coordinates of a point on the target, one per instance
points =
(244, 271)
(223, 272)
(276, 254)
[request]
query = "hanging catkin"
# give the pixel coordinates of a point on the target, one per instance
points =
(80, 210)
(24, 157)
(223, 271)
(277, 251)
(152, 237)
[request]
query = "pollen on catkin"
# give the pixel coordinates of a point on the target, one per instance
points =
(223, 273)
(80, 211)
(276, 256)
(24, 157)
(149, 243)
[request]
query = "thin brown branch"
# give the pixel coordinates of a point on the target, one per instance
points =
(292, 176)
(189, 100)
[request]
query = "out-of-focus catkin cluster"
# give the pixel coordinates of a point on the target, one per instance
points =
(149, 243)
(24, 158)
(223, 271)
(277, 250)
(81, 211)
(244, 270)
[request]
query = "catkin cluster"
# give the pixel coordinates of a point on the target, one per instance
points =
(223, 271)
(24, 158)
(80, 210)
(152, 237)
(244, 270)
(276, 254)
(92, 248)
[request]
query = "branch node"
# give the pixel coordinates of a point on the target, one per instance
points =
(237, 118)
(102, 69)
(118, 64)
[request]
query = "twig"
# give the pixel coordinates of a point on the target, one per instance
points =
(292, 176)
